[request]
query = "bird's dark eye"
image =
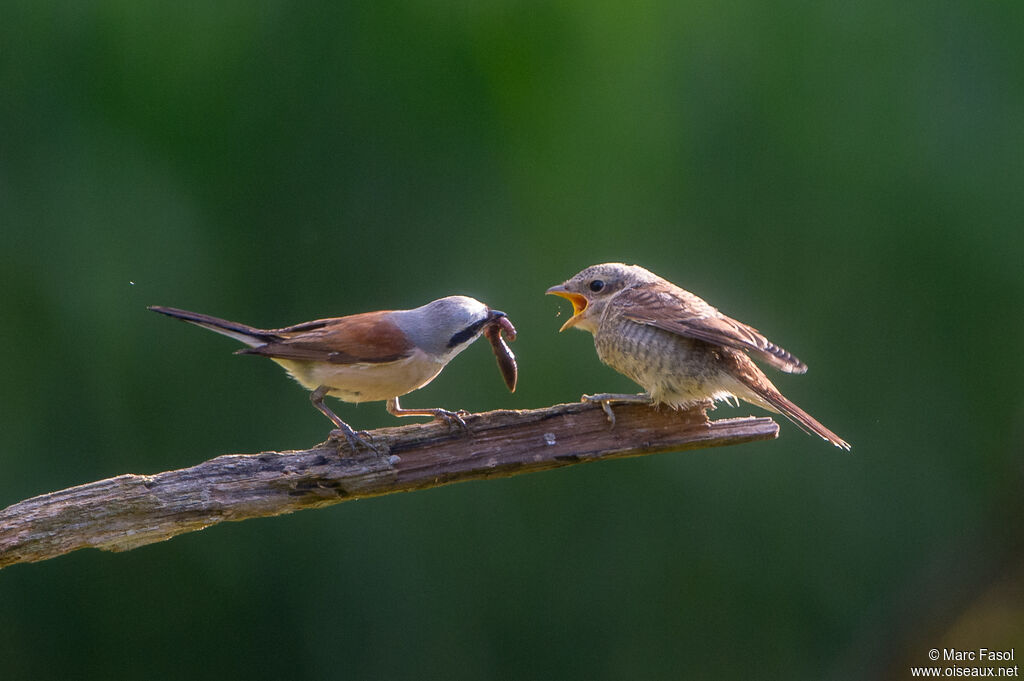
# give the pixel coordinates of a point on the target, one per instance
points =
(596, 285)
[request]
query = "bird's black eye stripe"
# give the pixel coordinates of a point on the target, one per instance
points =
(596, 285)
(467, 333)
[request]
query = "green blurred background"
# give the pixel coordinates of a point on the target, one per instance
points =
(847, 177)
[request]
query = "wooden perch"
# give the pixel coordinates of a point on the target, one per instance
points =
(128, 511)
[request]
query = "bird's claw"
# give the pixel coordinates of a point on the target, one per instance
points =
(606, 406)
(453, 418)
(356, 440)
(606, 399)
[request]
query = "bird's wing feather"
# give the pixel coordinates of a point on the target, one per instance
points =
(681, 312)
(367, 338)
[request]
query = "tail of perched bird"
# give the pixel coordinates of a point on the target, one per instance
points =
(240, 332)
(780, 403)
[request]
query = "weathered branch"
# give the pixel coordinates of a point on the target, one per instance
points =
(128, 511)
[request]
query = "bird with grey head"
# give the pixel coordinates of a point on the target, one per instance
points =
(373, 356)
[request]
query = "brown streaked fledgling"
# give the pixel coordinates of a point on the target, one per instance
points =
(373, 356)
(679, 348)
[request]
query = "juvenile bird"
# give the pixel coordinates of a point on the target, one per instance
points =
(372, 356)
(679, 348)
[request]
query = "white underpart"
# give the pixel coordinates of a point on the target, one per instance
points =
(366, 382)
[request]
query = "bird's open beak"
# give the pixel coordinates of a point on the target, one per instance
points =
(579, 304)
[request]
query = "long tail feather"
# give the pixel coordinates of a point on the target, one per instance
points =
(800, 417)
(246, 334)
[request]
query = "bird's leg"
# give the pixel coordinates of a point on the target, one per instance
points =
(354, 439)
(606, 399)
(451, 417)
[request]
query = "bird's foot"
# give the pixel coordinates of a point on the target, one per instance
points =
(362, 438)
(454, 419)
(606, 405)
(606, 399)
(356, 439)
